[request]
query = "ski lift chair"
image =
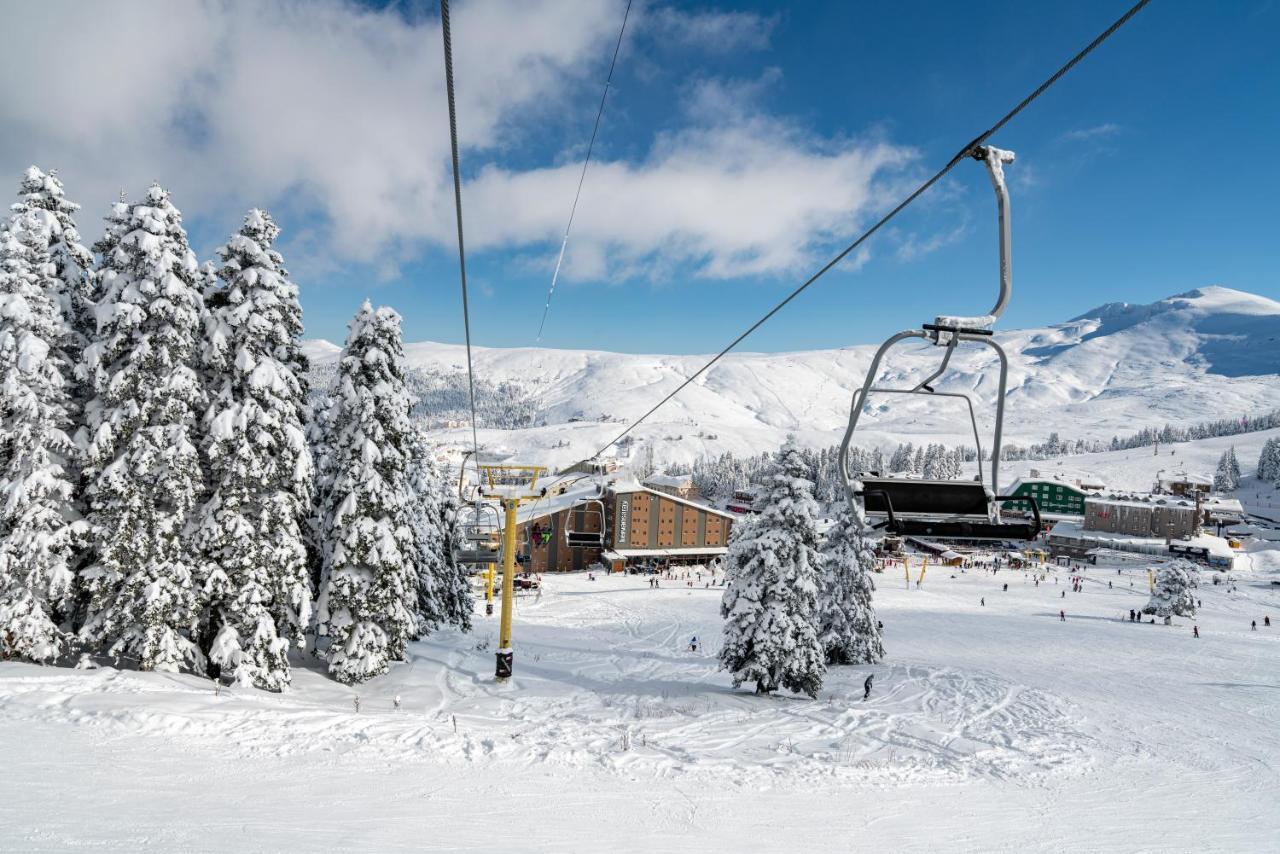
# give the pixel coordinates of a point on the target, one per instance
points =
(481, 528)
(593, 516)
(946, 509)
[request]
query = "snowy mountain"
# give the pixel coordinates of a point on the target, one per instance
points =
(1206, 354)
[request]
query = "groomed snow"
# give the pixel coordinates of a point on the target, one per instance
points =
(991, 728)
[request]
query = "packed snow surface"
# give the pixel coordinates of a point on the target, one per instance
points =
(995, 727)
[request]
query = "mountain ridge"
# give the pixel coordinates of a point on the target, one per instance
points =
(1203, 354)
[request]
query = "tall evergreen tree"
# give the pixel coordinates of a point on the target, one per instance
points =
(1269, 462)
(143, 468)
(847, 624)
(1227, 476)
(368, 592)
(770, 604)
(39, 528)
(444, 588)
(254, 575)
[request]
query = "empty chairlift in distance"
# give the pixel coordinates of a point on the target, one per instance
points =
(584, 525)
(481, 535)
(945, 508)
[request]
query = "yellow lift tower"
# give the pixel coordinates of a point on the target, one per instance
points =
(509, 484)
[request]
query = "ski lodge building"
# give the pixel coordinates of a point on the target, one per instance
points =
(1056, 498)
(641, 526)
(1153, 524)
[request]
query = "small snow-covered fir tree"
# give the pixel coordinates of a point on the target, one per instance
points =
(143, 469)
(900, 460)
(1269, 462)
(847, 624)
(1227, 476)
(368, 590)
(42, 199)
(770, 604)
(444, 587)
(1174, 582)
(39, 528)
(253, 575)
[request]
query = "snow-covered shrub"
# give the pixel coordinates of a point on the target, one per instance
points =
(1174, 582)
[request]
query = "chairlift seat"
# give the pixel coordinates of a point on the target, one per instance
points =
(948, 509)
(591, 509)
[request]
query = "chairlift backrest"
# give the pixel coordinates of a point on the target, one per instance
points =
(591, 532)
(939, 497)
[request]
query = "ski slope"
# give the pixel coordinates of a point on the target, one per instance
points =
(993, 727)
(1207, 354)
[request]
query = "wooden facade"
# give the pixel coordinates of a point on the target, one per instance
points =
(643, 519)
(640, 519)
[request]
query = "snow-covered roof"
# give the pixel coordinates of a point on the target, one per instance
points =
(1129, 499)
(584, 491)
(1183, 477)
(678, 481)
(1215, 546)
(688, 551)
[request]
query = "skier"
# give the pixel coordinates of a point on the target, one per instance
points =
(693, 644)
(1131, 615)
(1062, 615)
(1109, 585)
(1253, 625)
(866, 687)
(1006, 587)
(397, 701)
(1195, 631)
(1266, 621)
(983, 601)
(1064, 594)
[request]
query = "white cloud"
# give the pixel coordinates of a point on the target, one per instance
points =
(1102, 131)
(324, 107)
(710, 30)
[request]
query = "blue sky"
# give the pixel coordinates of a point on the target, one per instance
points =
(743, 144)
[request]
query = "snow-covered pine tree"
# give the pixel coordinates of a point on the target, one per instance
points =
(457, 599)
(847, 624)
(917, 462)
(1269, 462)
(254, 578)
(41, 197)
(1174, 582)
(1227, 476)
(770, 605)
(319, 432)
(40, 530)
(444, 587)
(143, 468)
(900, 460)
(368, 592)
